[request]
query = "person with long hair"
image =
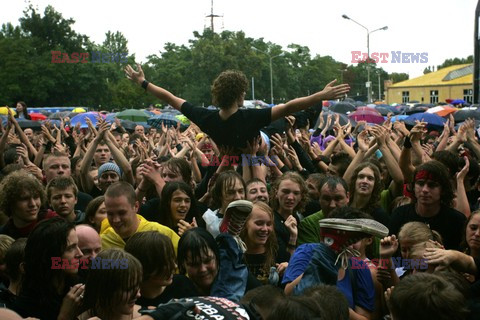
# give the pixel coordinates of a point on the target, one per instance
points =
(22, 112)
(111, 293)
(215, 266)
(432, 205)
(22, 199)
(178, 209)
(49, 289)
(259, 237)
(288, 198)
(365, 188)
(472, 235)
(229, 186)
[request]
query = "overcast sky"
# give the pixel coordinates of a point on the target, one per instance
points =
(441, 28)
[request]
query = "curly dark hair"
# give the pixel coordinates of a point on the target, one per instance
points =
(440, 172)
(228, 87)
(374, 201)
(14, 185)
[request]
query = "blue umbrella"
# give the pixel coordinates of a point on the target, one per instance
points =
(399, 117)
(110, 117)
(430, 118)
(81, 118)
(168, 119)
(458, 101)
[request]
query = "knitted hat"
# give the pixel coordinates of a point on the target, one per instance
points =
(109, 166)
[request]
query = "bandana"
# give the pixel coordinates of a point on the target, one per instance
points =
(425, 175)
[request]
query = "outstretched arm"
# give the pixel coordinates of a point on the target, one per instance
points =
(162, 94)
(299, 104)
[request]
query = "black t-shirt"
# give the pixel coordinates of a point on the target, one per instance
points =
(448, 222)
(255, 264)
(242, 126)
(283, 236)
(181, 287)
(209, 308)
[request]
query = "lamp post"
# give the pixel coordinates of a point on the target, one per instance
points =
(369, 85)
(271, 69)
(379, 88)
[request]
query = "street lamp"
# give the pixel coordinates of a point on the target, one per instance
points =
(369, 85)
(271, 69)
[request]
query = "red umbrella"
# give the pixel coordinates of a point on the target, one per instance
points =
(37, 116)
(367, 114)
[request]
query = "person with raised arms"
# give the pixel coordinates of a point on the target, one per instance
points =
(231, 126)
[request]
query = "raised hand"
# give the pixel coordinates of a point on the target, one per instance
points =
(464, 171)
(183, 226)
(362, 141)
(334, 92)
(291, 224)
(388, 246)
(135, 76)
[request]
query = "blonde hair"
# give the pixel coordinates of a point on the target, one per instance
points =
(417, 232)
(271, 246)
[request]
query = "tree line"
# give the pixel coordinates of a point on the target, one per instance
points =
(27, 72)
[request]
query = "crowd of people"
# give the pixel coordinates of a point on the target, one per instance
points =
(313, 222)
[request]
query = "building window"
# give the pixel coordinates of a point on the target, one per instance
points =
(468, 95)
(433, 96)
(405, 96)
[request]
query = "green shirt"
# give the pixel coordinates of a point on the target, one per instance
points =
(309, 229)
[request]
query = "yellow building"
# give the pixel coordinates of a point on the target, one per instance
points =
(455, 82)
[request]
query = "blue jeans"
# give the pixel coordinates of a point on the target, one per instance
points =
(320, 270)
(231, 281)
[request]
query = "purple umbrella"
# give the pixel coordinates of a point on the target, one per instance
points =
(367, 114)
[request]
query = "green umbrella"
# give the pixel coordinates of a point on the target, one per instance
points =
(133, 115)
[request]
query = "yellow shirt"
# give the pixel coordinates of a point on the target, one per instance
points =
(110, 239)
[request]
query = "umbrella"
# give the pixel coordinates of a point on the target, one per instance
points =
(383, 111)
(442, 111)
(343, 118)
(168, 119)
(367, 114)
(430, 118)
(342, 107)
(82, 117)
(458, 101)
(464, 114)
(37, 116)
(60, 115)
(4, 110)
(34, 125)
(128, 125)
(183, 119)
(416, 109)
(399, 117)
(79, 110)
(110, 117)
(133, 115)
(458, 125)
